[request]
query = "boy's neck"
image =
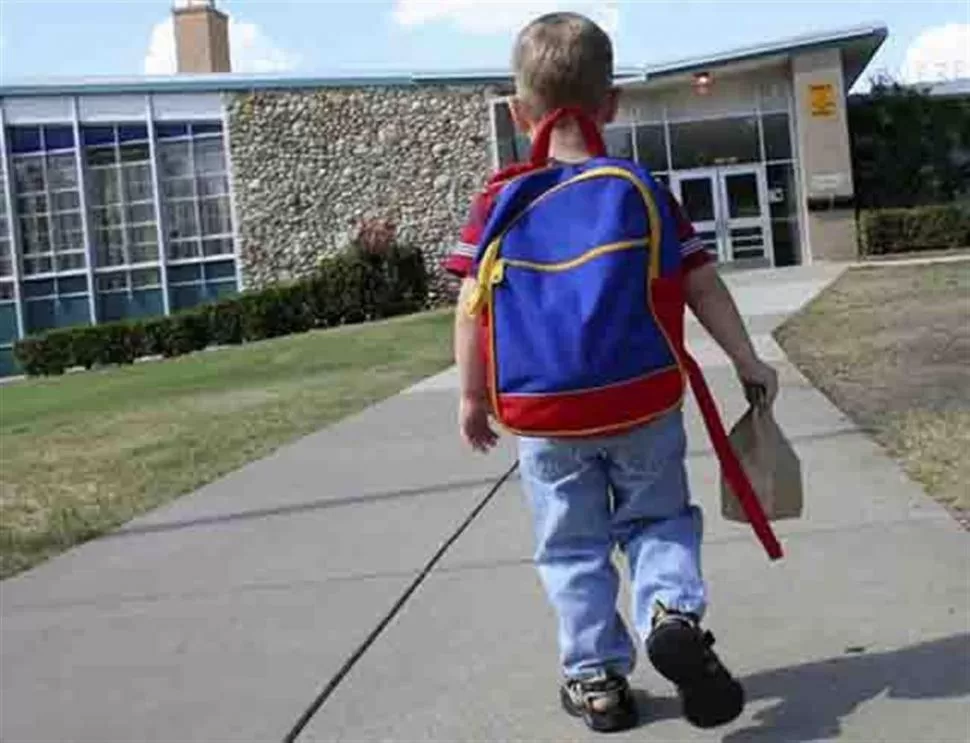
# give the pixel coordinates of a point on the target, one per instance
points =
(567, 144)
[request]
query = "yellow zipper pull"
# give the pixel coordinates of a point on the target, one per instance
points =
(498, 272)
(490, 266)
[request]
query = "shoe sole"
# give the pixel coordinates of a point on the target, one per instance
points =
(679, 654)
(603, 723)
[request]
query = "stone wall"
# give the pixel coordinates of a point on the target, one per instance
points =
(309, 166)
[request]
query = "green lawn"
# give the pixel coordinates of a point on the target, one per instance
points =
(82, 454)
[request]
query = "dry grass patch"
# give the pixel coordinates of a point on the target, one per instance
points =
(890, 346)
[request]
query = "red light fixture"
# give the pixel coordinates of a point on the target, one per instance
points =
(702, 82)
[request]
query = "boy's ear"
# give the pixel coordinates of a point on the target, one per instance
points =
(521, 116)
(611, 106)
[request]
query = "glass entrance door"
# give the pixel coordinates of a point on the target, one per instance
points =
(745, 228)
(729, 210)
(698, 194)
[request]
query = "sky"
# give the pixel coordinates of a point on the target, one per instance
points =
(928, 39)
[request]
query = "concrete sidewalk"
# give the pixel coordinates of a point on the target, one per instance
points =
(221, 617)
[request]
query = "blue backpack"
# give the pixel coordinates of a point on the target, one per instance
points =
(581, 303)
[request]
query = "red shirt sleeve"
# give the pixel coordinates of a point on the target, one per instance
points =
(460, 261)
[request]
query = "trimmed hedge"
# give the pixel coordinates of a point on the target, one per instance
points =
(353, 287)
(887, 231)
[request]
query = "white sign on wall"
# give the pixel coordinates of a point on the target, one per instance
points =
(828, 183)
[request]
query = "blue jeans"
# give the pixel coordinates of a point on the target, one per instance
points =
(588, 496)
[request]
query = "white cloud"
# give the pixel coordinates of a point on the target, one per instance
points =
(939, 53)
(499, 16)
(250, 48)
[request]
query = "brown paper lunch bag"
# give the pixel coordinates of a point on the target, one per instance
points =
(770, 463)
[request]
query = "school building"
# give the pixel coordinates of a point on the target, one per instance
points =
(136, 197)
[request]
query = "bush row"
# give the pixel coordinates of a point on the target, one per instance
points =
(886, 231)
(349, 288)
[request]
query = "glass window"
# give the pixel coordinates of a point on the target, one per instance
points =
(132, 132)
(143, 253)
(171, 131)
(104, 186)
(72, 285)
(695, 144)
(142, 213)
(145, 277)
(207, 127)
(122, 196)
(138, 182)
(741, 195)
(32, 204)
(697, 198)
(140, 234)
(58, 138)
(37, 289)
(182, 249)
(195, 190)
(179, 188)
(220, 270)
(66, 201)
(777, 136)
(6, 254)
(117, 281)
(28, 174)
(94, 135)
(783, 205)
(61, 172)
(209, 156)
(512, 146)
(213, 185)
(107, 216)
(181, 219)
(651, 146)
(215, 216)
(24, 139)
(48, 202)
(95, 156)
(135, 152)
(619, 141)
(217, 247)
(174, 159)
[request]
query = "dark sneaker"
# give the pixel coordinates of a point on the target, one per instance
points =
(682, 653)
(604, 702)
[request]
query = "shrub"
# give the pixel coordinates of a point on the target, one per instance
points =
(225, 322)
(118, 343)
(45, 355)
(886, 231)
(376, 278)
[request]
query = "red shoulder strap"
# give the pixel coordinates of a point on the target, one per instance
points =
(543, 134)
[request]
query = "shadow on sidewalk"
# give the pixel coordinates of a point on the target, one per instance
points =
(811, 700)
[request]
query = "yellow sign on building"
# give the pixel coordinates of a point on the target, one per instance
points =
(822, 100)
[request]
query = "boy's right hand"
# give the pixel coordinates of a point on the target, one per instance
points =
(760, 382)
(476, 430)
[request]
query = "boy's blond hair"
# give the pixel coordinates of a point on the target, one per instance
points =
(562, 59)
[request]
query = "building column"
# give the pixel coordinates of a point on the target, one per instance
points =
(161, 229)
(824, 156)
(86, 230)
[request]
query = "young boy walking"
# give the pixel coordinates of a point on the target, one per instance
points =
(576, 270)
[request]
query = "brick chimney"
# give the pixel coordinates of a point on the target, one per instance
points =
(201, 37)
